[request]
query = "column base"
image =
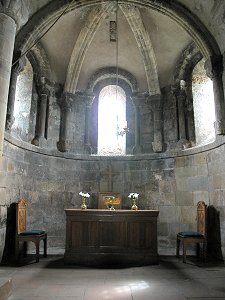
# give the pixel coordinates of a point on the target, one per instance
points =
(63, 146)
(157, 147)
(219, 127)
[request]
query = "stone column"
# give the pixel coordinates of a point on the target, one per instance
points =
(12, 14)
(137, 101)
(7, 37)
(9, 15)
(214, 70)
(180, 94)
(157, 145)
(16, 69)
(66, 104)
(89, 102)
(181, 98)
(44, 93)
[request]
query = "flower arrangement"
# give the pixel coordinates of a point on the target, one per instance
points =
(133, 196)
(84, 195)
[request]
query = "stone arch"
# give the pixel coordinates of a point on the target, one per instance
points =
(94, 20)
(99, 80)
(183, 93)
(143, 40)
(39, 61)
(186, 63)
(96, 16)
(111, 75)
(174, 10)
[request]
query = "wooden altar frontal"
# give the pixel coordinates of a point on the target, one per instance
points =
(103, 237)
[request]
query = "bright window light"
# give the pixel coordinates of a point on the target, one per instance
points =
(204, 112)
(111, 119)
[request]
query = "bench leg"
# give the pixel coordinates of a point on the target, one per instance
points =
(25, 249)
(17, 249)
(198, 250)
(204, 251)
(178, 248)
(184, 252)
(45, 247)
(37, 250)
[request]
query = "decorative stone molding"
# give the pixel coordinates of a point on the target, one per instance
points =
(44, 87)
(107, 76)
(66, 101)
(89, 99)
(39, 61)
(154, 102)
(187, 61)
(139, 99)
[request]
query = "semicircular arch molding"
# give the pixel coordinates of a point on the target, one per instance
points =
(39, 62)
(186, 63)
(112, 76)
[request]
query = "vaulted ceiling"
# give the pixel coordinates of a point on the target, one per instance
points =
(149, 43)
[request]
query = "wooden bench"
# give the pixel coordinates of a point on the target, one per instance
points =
(22, 235)
(195, 237)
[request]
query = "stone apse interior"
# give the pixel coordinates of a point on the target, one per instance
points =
(167, 59)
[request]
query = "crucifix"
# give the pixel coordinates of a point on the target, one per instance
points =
(109, 173)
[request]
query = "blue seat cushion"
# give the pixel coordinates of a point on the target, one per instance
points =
(33, 232)
(190, 234)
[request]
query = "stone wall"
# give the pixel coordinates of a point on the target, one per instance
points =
(171, 183)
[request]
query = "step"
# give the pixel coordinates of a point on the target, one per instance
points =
(5, 288)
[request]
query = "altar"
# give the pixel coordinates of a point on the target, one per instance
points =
(99, 237)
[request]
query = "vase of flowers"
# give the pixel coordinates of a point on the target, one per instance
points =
(84, 196)
(134, 197)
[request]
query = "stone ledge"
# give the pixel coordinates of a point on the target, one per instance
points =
(5, 288)
(220, 140)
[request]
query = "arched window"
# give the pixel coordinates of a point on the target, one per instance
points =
(22, 106)
(111, 120)
(203, 102)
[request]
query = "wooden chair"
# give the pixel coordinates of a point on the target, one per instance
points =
(22, 235)
(195, 237)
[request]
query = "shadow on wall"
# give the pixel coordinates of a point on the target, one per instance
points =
(214, 251)
(9, 249)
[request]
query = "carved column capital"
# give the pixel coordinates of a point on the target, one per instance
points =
(154, 102)
(66, 102)
(19, 66)
(179, 91)
(139, 99)
(17, 10)
(89, 99)
(214, 66)
(44, 87)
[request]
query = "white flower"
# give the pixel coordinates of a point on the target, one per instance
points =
(85, 195)
(133, 195)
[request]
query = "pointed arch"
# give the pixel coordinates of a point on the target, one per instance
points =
(144, 43)
(94, 20)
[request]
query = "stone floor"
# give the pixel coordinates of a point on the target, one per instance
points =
(171, 279)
